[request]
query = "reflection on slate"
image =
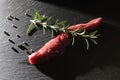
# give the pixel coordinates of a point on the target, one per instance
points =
(100, 62)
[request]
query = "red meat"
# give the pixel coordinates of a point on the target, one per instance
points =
(57, 45)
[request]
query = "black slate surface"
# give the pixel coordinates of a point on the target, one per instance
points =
(101, 62)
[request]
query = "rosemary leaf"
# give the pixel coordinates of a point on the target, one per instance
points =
(29, 29)
(48, 19)
(81, 31)
(52, 33)
(73, 39)
(43, 18)
(37, 15)
(36, 26)
(97, 35)
(56, 21)
(94, 41)
(93, 33)
(87, 44)
(60, 23)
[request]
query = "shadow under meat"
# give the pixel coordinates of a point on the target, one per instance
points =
(76, 60)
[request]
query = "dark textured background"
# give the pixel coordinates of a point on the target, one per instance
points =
(101, 62)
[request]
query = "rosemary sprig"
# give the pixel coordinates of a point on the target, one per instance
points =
(87, 36)
(60, 26)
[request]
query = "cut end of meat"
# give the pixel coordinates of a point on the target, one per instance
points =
(34, 59)
(37, 57)
(31, 60)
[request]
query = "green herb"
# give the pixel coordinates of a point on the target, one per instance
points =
(59, 26)
(29, 29)
(87, 36)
